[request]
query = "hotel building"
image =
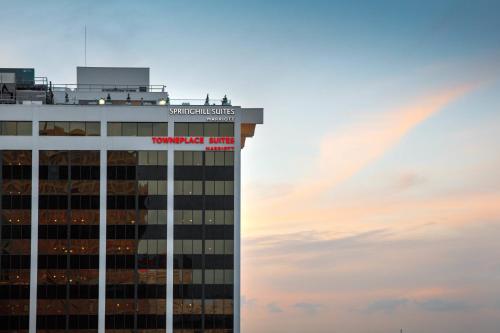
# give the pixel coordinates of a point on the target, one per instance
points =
(119, 207)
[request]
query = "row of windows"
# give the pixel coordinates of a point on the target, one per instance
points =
(144, 231)
(129, 202)
(207, 330)
(157, 291)
(143, 321)
(132, 157)
(211, 306)
(195, 158)
(15, 187)
(15, 232)
(14, 323)
(65, 216)
(150, 216)
(16, 157)
(212, 276)
(207, 232)
(190, 261)
(212, 291)
(12, 261)
(146, 261)
(93, 128)
(195, 187)
(65, 187)
(203, 173)
(137, 129)
(65, 202)
(78, 172)
(189, 321)
(67, 128)
(217, 217)
(204, 129)
(14, 291)
(15, 216)
(75, 261)
(16, 172)
(119, 202)
(189, 246)
(69, 157)
(61, 231)
(61, 291)
(58, 322)
(152, 158)
(132, 172)
(181, 217)
(152, 246)
(15, 128)
(155, 216)
(218, 187)
(152, 187)
(16, 201)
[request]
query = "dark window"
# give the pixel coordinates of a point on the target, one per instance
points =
(152, 232)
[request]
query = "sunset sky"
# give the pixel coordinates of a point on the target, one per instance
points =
(371, 195)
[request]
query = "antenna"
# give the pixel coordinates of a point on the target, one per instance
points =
(85, 47)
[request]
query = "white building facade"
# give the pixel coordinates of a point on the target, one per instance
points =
(120, 210)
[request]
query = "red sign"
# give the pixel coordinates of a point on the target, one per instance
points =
(179, 139)
(199, 140)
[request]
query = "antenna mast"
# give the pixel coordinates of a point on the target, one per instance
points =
(85, 47)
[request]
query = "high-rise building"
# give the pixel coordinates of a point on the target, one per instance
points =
(120, 207)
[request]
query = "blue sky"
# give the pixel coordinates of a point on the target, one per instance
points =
(386, 115)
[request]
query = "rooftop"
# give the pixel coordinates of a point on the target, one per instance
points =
(94, 85)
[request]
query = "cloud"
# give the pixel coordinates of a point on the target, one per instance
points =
(342, 154)
(345, 152)
(309, 308)
(386, 305)
(309, 241)
(357, 252)
(433, 305)
(274, 308)
(443, 305)
(407, 180)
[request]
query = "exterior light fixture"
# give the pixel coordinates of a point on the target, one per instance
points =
(162, 102)
(102, 101)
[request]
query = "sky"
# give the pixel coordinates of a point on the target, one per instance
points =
(371, 195)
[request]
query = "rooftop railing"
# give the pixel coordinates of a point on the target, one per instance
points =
(108, 88)
(197, 102)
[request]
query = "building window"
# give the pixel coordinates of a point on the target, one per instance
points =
(15, 235)
(188, 187)
(219, 217)
(137, 129)
(188, 158)
(204, 129)
(136, 237)
(219, 187)
(219, 158)
(20, 128)
(188, 217)
(69, 128)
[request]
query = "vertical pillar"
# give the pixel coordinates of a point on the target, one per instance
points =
(102, 229)
(237, 225)
(35, 158)
(170, 232)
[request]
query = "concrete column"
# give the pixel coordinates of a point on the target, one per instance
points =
(170, 233)
(103, 192)
(237, 224)
(35, 158)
